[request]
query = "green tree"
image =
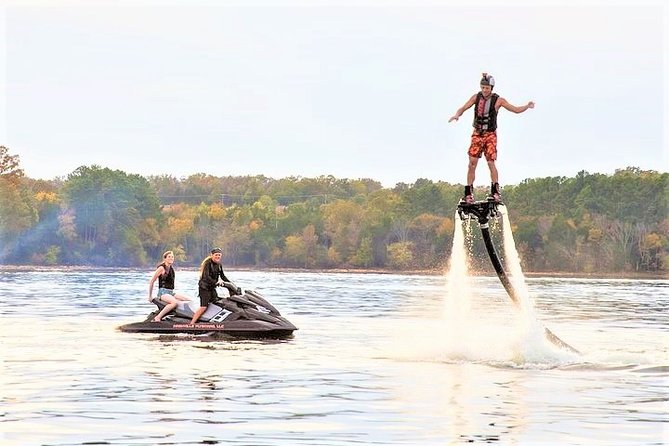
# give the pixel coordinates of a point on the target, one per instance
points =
(382, 209)
(18, 211)
(9, 164)
(425, 197)
(429, 238)
(400, 255)
(295, 250)
(109, 209)
(343, 227)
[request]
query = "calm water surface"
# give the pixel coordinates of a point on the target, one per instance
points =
(377, 360)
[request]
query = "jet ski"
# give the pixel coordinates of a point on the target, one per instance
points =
(244, 314)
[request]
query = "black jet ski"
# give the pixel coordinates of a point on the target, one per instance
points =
(247, 315)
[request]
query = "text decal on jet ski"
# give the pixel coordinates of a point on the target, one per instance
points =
(207, 326)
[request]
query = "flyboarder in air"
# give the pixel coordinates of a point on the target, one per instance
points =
(484, 141)
(484, 138)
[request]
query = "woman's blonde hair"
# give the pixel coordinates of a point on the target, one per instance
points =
(202, 265)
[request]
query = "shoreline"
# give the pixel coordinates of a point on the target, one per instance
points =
(629, 275)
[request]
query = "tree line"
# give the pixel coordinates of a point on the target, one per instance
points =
(591, 223)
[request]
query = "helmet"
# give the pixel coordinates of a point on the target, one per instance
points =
(487, 79)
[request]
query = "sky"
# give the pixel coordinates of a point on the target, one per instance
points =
(350, 89)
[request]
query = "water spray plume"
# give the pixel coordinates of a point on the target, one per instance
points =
(528, 325)
(512, 263)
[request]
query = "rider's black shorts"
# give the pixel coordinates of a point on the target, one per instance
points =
(207, 296)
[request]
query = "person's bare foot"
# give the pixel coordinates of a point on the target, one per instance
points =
(155, 319)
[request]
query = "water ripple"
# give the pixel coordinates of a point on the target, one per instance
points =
(376, 361)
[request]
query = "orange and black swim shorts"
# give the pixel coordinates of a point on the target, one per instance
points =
(484, 144)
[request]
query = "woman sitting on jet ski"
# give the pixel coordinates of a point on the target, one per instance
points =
(165, 275)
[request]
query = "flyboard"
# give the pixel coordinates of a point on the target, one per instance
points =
(483, 211)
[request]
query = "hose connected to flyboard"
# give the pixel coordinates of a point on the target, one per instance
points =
(494, 258)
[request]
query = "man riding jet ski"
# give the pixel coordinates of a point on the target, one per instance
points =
(243, 314)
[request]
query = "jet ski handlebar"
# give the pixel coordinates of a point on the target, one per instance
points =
(234, 289)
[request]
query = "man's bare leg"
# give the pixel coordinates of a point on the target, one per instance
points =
(471, 171)
(493, 171)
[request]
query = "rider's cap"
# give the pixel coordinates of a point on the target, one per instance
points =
(217, 251)
(487, 79)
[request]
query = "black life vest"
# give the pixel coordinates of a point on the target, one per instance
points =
(211, 271)
(166, 280)
(485, 114)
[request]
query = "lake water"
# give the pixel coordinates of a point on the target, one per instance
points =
(378, 360)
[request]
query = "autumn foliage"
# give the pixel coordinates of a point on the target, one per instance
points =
(97, 216)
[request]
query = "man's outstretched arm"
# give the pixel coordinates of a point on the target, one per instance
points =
(463, 109)
(515, 108)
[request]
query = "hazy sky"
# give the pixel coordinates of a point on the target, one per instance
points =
(319, 88)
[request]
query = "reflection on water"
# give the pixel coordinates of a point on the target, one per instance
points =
(372, 363)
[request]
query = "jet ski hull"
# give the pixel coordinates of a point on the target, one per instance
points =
(245, 330)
